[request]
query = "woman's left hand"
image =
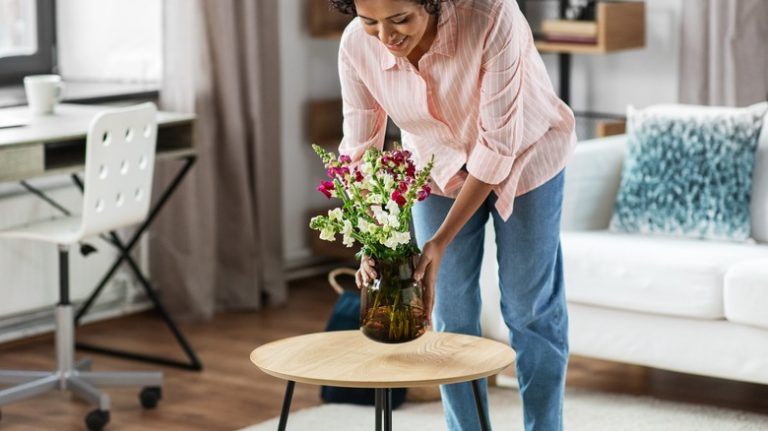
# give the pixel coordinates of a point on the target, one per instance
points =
(426, 273)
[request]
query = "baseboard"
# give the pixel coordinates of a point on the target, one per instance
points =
(40, 322)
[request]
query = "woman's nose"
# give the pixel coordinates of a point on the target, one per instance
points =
(385, 34)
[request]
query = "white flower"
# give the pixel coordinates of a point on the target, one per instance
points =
(391, 242)
(374, 198)
(403, 237)
(328, 233)
(363, 225)
(396, 238)
(392, 221)
(393, 208)
(366, 169)
(347, 232)
(379, 214)
(388, 181)
(335, 214)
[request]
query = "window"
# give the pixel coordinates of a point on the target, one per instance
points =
(26, 39)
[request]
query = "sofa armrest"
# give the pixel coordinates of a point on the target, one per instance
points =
(591, 183)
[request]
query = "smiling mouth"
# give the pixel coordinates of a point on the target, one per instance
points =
(398, 44)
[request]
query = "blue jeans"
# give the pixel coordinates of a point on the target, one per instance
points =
(532, 298)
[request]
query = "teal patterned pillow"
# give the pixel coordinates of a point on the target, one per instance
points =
(688, 172)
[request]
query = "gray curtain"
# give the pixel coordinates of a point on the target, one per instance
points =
(724, 52)
(218, 243)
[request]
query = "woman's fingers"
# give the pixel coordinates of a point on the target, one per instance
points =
(421, 268)
(368, 266)
(429, 298)
(370, 272)
(358, 279)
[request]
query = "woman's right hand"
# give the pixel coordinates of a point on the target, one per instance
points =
(366, 272)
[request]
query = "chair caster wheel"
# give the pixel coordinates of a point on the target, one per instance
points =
(97, 420)
(149, 396)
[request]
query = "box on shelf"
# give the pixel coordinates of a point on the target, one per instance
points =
(570, 28)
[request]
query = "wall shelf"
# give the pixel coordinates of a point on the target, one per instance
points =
(620, 26)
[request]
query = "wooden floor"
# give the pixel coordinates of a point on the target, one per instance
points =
(231, 393)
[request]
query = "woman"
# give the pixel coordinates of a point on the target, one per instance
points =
(463, 81)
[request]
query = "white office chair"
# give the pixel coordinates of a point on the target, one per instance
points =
(119, 163)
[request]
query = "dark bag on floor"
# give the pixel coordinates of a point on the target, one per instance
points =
(346, 316)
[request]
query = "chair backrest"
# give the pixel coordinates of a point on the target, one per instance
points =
(119, 164)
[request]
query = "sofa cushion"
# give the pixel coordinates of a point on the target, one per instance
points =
(671, 276)
(746, 293)
(759, 205)
(688, 171)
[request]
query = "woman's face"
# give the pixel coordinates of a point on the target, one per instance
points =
(399, 24)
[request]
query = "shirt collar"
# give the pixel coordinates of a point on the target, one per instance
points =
(445, 40)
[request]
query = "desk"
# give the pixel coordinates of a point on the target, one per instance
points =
(55, 145)
(349, 359)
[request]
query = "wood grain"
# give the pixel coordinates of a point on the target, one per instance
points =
(349, 359)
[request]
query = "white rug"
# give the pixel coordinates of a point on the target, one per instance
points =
(584, 411)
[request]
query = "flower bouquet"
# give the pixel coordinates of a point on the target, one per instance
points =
(376, 199)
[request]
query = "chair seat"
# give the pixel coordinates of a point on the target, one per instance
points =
(62, 230)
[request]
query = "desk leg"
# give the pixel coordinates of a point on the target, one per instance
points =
(387, 409)
(286, 405)
(479, 404)
(379, 396)
(125, 249)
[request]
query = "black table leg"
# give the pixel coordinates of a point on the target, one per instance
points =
(479, 404)
(286, 405)
(378, 394)
(387, 409)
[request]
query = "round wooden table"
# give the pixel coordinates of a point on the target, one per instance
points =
(349, 359)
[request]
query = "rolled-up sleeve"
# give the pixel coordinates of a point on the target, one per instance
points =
(500, 130)
(364, 120)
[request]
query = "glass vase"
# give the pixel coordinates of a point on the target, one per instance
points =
(392, 306)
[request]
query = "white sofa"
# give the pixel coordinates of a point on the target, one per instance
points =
(692, 306)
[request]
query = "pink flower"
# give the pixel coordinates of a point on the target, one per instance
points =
(402, 187)
(398, 197)
(358, 176)
(424, 192)
(410, 171)
(325, 188)
(338, 172)
(345, 159)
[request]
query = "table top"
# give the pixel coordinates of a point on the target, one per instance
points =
(70, 121)
(349, 359)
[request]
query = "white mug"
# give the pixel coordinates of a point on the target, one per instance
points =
(43, 93)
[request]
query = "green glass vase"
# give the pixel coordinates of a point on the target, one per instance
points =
(392, 305)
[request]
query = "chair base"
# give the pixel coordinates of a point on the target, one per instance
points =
(77, 378)
(81, 383)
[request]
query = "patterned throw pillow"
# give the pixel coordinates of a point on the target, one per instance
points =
(688, 171)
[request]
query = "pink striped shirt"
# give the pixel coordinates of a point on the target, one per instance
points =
(481, 97)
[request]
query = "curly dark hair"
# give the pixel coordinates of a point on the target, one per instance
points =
(348, 6)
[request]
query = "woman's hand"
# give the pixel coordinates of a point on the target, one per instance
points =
(426, 272)
(366, 272)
